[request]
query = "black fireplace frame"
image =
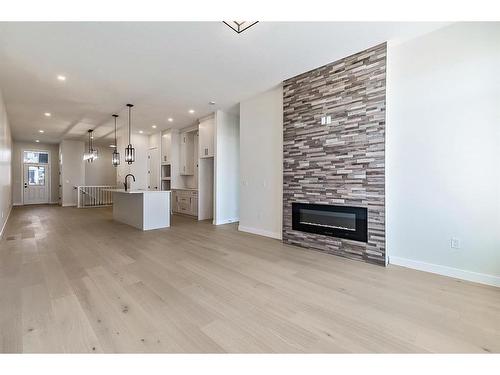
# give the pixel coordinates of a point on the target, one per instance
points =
(360, 234)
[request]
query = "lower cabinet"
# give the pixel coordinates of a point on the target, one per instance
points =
(185, 202)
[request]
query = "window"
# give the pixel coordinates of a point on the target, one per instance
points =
(36, 157)
(36, 175)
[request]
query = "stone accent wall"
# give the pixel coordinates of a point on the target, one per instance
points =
(341, 163)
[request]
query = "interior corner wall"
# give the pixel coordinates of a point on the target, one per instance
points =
(101, 171)
(139, 168)
(72, 168)
(443, 152)
(261, 164)
(18, 149)
(227, 166)
(5, 166)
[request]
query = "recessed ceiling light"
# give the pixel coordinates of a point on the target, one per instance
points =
(153, 126)
(61, 77)
(47, 114)
(140, 132)
(191, 111)
(170, 119)
(112, 146)
(41, 131)
(37, 141)
(211, 102)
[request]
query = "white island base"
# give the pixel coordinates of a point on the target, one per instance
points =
(143, 209)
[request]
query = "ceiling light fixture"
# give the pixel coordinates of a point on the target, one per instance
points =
(92, 153)
(170, 119)
(129, 150)
(61, 78)
(153, 126)
(115, 157)
(37, 141)
(240, 26)
(47, 114)
(191, 111)
(211, 102)
(140, 132)
(41, 131)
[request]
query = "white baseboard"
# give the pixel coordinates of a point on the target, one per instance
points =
(457, 273)
(226, 221)
(69, 205)
(17, 204)
(6, 220)
(260, 232)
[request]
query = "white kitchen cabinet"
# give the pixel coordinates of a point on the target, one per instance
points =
(206, 137)
(187, 155)
(185, 202)
(166, 147)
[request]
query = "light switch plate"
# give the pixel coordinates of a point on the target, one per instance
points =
(455, 243)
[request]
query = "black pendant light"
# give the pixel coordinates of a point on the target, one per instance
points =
(129, 151)
(115, 158)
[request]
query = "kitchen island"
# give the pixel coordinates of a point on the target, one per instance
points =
(143, 209)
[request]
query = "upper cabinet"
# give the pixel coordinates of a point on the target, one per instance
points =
(187, 154)
(206, 137)
(166, 147)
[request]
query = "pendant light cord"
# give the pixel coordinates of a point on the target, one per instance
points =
(115, 116)
(129, 109)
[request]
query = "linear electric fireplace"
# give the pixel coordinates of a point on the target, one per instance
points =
(336, 221)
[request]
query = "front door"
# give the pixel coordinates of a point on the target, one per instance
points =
(36, 183)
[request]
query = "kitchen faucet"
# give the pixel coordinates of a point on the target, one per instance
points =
(125, 183)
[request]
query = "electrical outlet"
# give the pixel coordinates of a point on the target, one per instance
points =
(326, 120)
(455, 243)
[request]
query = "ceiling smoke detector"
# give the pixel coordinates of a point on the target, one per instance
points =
(240, 26)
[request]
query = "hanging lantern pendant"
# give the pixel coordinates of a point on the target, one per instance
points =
(115, 157)
(129, 151)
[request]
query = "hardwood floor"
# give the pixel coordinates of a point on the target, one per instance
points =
(72, 280)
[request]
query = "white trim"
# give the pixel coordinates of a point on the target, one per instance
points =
(6, 220)
(69, 205)
(457, 273)
(260, 232)
(225, 221)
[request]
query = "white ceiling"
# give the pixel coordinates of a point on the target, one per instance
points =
(163, 68)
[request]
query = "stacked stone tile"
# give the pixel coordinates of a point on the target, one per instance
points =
(342, 163)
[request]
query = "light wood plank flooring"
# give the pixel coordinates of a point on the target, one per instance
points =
(72, 280)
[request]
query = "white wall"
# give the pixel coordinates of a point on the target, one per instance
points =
(261, 164)
(72, 170)
(101, 171)
(139, 168)
(17, 169)
(226, 170)
(443, 152)
(5, 166)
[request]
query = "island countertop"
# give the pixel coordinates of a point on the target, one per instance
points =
(143, 209)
